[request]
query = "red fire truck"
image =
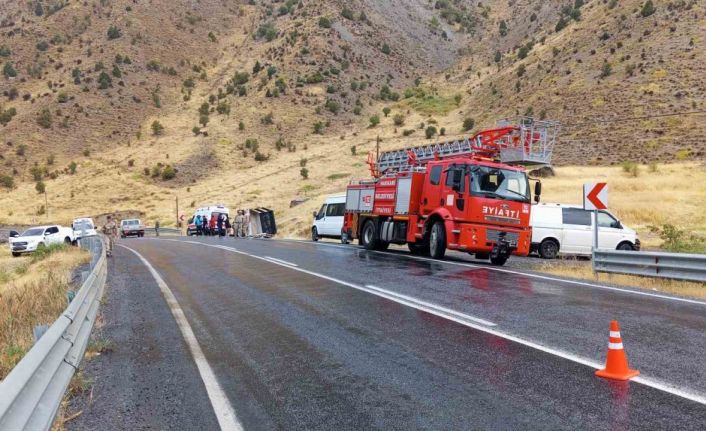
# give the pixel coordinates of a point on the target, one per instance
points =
(471, 195)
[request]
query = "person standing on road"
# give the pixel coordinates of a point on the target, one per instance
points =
(156, 227)
(226, 223)
(219, 224)
(110, 230)
(212, 225)
(238, 224)
(197, 223)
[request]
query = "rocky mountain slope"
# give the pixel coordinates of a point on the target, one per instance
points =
(123, 104)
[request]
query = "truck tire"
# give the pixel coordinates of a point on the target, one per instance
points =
(625, 246)
(369, 236)
(498, 261)
(67, 241)
(382, 245)
(549, 249)
(16, 254)
(314, 234)
(420, 249)
(437, 240)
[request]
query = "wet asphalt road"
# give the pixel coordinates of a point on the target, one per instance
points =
(293, 350)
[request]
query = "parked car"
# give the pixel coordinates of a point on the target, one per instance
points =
(328, 221)
(83, 226)
(206, 212)
(568, 229)
(39, 237)
(132, 227)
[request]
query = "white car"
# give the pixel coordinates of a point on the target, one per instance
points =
(328, 221)
(568, 229)
(41, 236)
(84, 227)
(132, 227)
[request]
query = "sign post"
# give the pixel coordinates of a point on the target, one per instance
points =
(595, 197)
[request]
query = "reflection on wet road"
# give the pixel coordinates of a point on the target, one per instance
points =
(307, 347)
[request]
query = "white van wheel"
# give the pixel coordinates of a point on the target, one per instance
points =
(314, 234)
(549, 249)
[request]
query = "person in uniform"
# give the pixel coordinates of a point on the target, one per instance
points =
(238, 224)
(110, 230)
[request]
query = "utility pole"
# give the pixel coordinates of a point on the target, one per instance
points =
(377, 148)
(177, 211)
(46, 203)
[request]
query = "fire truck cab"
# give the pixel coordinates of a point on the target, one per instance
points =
(451, 196)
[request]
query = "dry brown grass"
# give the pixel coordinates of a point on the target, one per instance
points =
(583, 271)
(31, 293)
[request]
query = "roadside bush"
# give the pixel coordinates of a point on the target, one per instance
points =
(631, 168)
(678, 240)
(43, 45)
(386, 110)
(196, 130)
(72, 168)
(302, 162)
(259, 157)
(304, 172)
(353, 150)
(6, 115)
(8, 70)
(407, 132)
(374, 120)
(268, 31)
(319, 128)
(40, 187)
(347, 14)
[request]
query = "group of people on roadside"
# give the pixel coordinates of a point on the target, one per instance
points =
(220, 225)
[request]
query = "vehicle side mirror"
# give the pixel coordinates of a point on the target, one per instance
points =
(537, 191)
(14, 234)
(316, 214)
(616, 225)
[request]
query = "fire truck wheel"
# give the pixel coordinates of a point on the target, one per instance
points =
(498, 261)
(368, 238)
(437, 240)
(314, 234)
(548, 249)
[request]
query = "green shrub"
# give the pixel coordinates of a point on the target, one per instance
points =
(386, 110)
(304, 172)
(113, 32)
(353, 150)
(468, 124)
(631, 168)
(647, 9)
(104, 81)
(606, 70)
(430, 132)
(44, 118)
(7, 181)
(40, 187)
(386, 49)
(324, 22)
(268, 31)
(157, 128)
(43, 45)
(678, 240)
(168, 173)
(196, 130)
(259, 157)
(398, 119)
(6, 115)
(319, 128)
(407, 132)
(374, 120)
(338, 176)
(347, 14)
(8, 70)
(72, 167)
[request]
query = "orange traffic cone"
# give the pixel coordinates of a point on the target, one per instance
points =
(616, 366)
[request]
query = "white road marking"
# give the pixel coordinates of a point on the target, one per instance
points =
(274, 259)
(225, 414)
(510, 271)
(646, 381)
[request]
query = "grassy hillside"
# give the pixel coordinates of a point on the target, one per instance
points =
(123, 105)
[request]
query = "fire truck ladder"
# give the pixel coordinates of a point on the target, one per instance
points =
(525, 142)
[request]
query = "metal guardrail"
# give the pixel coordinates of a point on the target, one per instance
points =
(31, 394)
(678, 266)
(149, 230)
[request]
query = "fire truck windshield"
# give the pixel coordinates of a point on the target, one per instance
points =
(499, 183)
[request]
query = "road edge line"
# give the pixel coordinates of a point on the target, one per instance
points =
(225, 414)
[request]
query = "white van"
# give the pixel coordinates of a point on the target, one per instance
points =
(568, 229)
(207, 212)
(83, 226)
(328, 221)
